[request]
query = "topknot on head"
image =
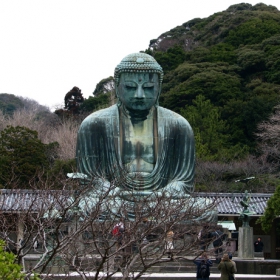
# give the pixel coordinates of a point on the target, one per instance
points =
(138, 62)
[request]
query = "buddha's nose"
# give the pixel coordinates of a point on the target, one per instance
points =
(140, 92)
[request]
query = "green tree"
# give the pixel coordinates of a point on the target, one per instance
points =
(9, 270)
(250, 60)
(73, 100)
(222, 52)
(212, 139)
(171, 59)
(104, 86)
(22, 154)
(94, 103)
(208, 127)
(209, 81)
(253, 31)
(9, 103)
(272, 211)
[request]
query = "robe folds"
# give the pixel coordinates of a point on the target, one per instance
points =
(98, 152)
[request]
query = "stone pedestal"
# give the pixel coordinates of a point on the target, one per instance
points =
(245, 243)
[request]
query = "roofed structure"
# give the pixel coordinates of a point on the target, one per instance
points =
(228, 204)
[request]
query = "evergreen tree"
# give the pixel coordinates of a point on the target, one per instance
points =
(272, 211)
(22, 155)
(209, 130)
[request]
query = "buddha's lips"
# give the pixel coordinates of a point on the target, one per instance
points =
(140, 99)
(139, 102)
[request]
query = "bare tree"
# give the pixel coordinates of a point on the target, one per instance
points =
(268, 135)
(32, 105)
(66, 136)
(221, 176)
(50, 129)
(71, 229)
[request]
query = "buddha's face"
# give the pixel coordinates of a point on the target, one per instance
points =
(138, 91)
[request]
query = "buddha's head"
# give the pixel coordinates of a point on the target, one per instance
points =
(138, 80)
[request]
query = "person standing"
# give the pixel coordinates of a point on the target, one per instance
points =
(258, 245)
(203, 267)
(169, 244)
(226, 267)
(234, 263)
(118, 231)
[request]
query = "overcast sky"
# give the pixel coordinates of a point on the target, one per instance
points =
(49, 46)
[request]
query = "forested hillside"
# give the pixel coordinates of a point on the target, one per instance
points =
(222, 73)
(224, 68)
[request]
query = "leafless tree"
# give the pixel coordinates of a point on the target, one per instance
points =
(221, 176)
(71, 229)
(32, 105)
(50, 129)
(268, 135)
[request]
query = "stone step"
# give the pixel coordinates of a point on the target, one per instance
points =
(183, 266)
(166, 276)
(179, 266)
(187, 266)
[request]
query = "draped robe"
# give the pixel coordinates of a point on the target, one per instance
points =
(99, 154)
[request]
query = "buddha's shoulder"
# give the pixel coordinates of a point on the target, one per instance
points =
(172, 116)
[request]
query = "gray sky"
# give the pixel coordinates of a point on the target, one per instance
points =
(49, 46)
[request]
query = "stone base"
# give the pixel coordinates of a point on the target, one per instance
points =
(245, 243)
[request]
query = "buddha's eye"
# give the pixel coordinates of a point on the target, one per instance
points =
(130, 85)
(148, 85)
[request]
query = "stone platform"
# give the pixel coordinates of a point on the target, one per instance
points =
(186, 269)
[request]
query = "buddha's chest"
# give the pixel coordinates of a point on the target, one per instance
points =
(138, 145)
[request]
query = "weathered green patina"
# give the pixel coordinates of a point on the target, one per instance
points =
(245, 215)
(137, 144)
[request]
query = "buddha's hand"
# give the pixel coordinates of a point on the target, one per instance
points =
(103, 187)
(175, 189)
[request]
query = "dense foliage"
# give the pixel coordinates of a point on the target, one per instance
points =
(272, 211)
(104, 86)
(9, 270)
(10, 103)
(23, 155)
(231, 60)
(73, 99)
(94, 103)
(104, 95)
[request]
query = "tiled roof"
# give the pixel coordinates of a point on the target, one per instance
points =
(22, 200)
(30, 200)
(229, 203)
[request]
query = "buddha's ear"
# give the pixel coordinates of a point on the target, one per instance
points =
(116, 90)
(119, 103)
(159, 91)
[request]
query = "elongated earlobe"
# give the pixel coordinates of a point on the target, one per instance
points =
(119, 103)
(157, 102)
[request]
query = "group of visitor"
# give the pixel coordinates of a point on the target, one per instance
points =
(227, 267)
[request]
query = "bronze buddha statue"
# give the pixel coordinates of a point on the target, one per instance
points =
(136, 144)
